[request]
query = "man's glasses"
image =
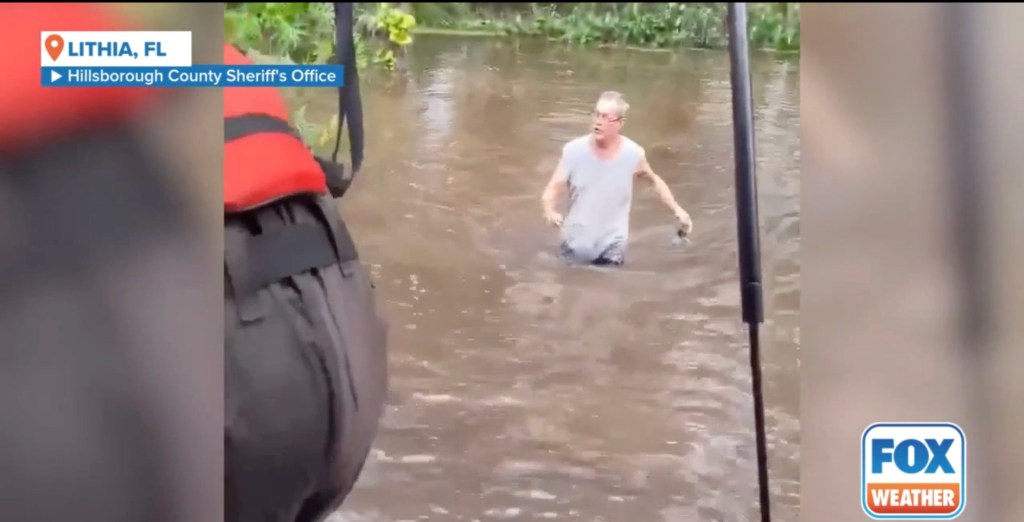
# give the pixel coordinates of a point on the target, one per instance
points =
(610, 118)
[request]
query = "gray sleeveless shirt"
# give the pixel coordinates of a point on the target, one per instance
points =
(600, 196)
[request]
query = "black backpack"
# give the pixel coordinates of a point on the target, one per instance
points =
(305, 349)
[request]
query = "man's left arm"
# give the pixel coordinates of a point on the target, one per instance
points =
(645, 172)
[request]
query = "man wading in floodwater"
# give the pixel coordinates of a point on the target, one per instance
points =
(598, 170)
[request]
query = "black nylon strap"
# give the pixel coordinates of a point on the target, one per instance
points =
(285, 252)
(349, 102)
(238, 127)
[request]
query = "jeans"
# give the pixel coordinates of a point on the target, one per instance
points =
(612, 256)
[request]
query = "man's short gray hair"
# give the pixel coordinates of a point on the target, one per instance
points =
(615, 97)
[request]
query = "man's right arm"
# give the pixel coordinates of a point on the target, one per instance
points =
(552, 192)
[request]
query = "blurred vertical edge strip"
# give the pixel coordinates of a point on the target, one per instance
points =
(912, 119)
(111, 329)
(990, 134)
(969, 184)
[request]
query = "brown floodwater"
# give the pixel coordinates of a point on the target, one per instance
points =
(523, 389)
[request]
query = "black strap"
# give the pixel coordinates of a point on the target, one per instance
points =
(285, 252)
(349, 101)
(238, 127)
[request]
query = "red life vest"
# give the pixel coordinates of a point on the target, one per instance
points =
(31, 113)
(264, 160)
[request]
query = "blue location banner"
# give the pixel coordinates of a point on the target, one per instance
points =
(196, 76)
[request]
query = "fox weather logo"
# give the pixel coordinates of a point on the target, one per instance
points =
(913, 471)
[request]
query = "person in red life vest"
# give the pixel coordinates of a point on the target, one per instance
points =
(104, 302)
(305, 350)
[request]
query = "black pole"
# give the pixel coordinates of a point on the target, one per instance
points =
(747, 227)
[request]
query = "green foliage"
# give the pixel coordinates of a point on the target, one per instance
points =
(303, 32)
(775, 25)
(397, 24)
(385, 19)
(651, 25)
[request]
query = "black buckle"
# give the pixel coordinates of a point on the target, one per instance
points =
(334, 172)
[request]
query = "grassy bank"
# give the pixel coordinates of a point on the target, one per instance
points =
(304, 31)
(772, 26)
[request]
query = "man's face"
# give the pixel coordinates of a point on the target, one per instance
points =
(606, 120)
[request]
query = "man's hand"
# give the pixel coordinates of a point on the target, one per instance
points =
(685, 223)
(554, 189)
(645, 171)
(553, 218)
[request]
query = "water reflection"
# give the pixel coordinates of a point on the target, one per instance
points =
(527, 390)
